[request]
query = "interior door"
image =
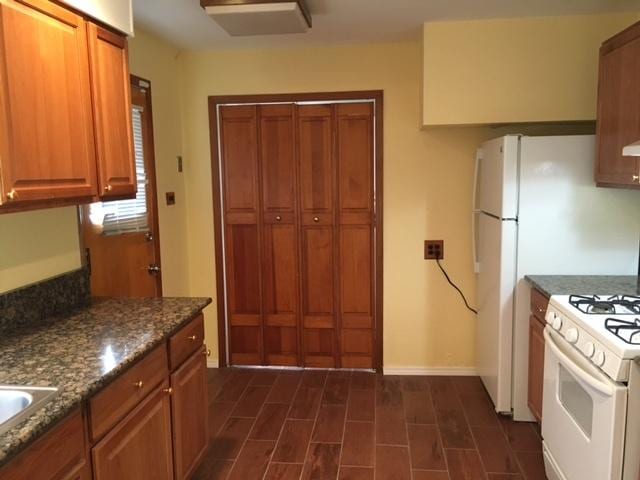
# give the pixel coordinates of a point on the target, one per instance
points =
(298, 216)
(355, 237)
(280, 235)
(240, 173)
(318, 244)
(121, 236)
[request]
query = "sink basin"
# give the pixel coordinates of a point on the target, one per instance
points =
(17, 403)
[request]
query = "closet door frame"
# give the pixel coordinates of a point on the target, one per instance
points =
(215, 102)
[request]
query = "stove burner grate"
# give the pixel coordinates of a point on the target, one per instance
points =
(627, 331)
(612, 305)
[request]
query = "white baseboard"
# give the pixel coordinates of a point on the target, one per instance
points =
(212, 363)
(436, 371)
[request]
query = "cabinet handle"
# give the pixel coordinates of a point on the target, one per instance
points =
(316, 219)
(108, 188)
(206, 352)
(192, 337)
(168, 390)
(138, 384)
(278, 218)
(12, 195)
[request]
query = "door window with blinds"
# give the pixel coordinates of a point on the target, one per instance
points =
(126, 216)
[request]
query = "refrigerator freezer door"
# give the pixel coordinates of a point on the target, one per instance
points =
(496, 281)
(497, 177)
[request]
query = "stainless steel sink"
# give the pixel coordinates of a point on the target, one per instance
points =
(17, 403)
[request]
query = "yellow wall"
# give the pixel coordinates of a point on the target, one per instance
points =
(157, 61)
(427, 185)
(514, 70)
(37, 245)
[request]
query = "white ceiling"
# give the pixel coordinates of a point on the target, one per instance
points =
(186, 25)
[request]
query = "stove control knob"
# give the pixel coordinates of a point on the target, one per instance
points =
(589, 349)
(572, 335)
(550, 316)
(557, 323)
(599, 358)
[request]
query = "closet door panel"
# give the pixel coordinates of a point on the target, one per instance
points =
(280, 243)
(315, 131)
(355, 187)
(240, 159)
(318, 249)
(242, 233)
(355, 276)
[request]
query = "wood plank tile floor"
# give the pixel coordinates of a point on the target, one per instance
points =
(282, 425)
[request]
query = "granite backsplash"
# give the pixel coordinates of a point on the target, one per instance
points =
(58, 295)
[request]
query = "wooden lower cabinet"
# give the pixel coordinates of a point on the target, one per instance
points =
(140, 445)
(189, 407)
(61, 454)
(148, 423)
(536, 366)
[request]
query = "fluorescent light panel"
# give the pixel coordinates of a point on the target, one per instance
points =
(259, 19)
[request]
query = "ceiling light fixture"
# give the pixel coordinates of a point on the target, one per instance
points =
(259, 17)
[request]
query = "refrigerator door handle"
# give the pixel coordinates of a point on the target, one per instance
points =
(475, 212)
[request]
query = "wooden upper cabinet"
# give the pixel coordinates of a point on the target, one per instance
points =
(619, 109)
(110, 86)
(46, 128)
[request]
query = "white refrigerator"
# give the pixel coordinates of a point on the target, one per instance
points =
(537, 211)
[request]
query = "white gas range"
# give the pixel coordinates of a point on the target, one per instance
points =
(591, 409)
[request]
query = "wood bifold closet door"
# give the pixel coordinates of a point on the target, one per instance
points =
(298, 198)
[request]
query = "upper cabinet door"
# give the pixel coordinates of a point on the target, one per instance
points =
(619, 109)
(46, 129)
(116, 14)
(112, 112)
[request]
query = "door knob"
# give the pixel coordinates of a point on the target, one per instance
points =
(108, 188)
(636, 178)
(153, 269)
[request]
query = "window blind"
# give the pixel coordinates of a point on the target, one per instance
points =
(125, 216)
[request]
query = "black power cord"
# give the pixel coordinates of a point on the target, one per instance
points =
(456, 287)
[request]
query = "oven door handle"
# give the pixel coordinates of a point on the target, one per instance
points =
(571, 365)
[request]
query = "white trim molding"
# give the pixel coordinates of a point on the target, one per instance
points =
(212, 363)
(435, 371)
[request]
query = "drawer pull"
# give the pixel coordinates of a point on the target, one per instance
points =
(192, 337)
(168, 391)
(108, 188)
(12, 195)
(278, 218)
(138, 384)
(316, 219)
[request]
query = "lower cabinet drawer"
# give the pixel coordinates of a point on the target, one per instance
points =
(139, 447)
(118, 398)
(60, 454)
(186, 341)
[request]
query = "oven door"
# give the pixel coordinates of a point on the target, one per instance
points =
(583, 416)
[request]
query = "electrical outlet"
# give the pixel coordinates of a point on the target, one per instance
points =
(433, 249)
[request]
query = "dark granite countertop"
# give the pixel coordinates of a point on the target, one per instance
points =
(81, 352)
(585, 284)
